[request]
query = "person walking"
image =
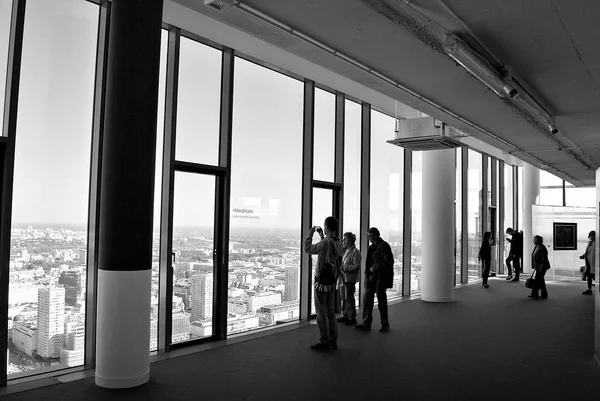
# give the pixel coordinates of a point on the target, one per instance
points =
(350, 273)
(485, 256)
(379, 275)
(540, 264)
(514, 254)
(590, 261)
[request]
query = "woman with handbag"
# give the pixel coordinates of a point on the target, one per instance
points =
(485, 256)
(540, 264)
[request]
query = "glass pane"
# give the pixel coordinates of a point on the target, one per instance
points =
(324, 146)
(322, 208)
(5, 12)
(519, 216)
(416, 193)
(387, 189)
(198, 103)
(551, 189)
(47, 284)
(458, 219)
(193, 248)
(583, 197)
(266, 176)
(352, 171)
(474, 205)
(157, 191)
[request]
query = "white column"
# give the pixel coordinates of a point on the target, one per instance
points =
(437, 271)
(531, 196)
(123, 328)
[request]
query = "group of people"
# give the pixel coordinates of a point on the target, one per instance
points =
(338, 269)
(539, 261)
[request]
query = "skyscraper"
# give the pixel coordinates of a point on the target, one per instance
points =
(202, 296)
(292, 278)
(51, 315)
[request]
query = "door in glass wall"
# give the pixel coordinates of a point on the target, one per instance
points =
(509, 208)
(193, 240)
(48, 262)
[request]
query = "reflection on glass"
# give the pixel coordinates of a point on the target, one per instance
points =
(266, 176)
(47, 279)
(416, 193)
(5, 12)
(157, 191)
(352, 169)
(322, 208)
(193, 249)
(474, 205)
(198, 103)
(386, 196)
(324, 146)
(458, 219)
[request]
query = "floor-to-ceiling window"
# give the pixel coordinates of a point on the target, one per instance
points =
(458, 201)
(474, 207)
(352, 171)
(509, 206)
(266, 176)
(387, 172)
(416, 193)
(580, 196)
(48, 266)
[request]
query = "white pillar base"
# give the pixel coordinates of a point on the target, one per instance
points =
(123, 328)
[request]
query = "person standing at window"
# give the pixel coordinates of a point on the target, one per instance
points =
(590, 261)
(329, 250)
(379, 275)
(539, 263)
(485, 256)
(514, 255)
(350, 273)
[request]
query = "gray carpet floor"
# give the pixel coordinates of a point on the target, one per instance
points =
(493, 344)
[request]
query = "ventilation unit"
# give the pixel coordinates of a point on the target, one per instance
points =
(219, 4)
(425, 133)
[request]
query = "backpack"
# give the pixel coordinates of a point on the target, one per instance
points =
(329, 274)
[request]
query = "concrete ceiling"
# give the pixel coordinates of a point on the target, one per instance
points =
(547, 47)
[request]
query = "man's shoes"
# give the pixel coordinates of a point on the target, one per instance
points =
(486, 286)
(342, 319)
(514, 279)
(362, 327)
(320, 347)
(587, 292)
(532, 297)
(384, 327)
(509, 278)
(350, 322)
(333, 345)
(544, 297)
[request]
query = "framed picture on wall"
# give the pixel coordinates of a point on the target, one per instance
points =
(565, 236)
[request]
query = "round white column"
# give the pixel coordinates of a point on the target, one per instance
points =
(531, 196)
(437, 270)
(123, 328)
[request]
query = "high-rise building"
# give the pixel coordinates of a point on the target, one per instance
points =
(262, 299)
(74, 351)
(202, 296)
(292, 283)
(74, 284)
(51, 315)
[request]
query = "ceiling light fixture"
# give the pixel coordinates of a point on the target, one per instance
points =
(478, 67)
(552, 128)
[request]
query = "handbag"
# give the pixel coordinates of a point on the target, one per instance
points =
(530, 282)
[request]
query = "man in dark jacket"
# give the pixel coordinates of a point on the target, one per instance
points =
(515, 254)
(379, 276)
